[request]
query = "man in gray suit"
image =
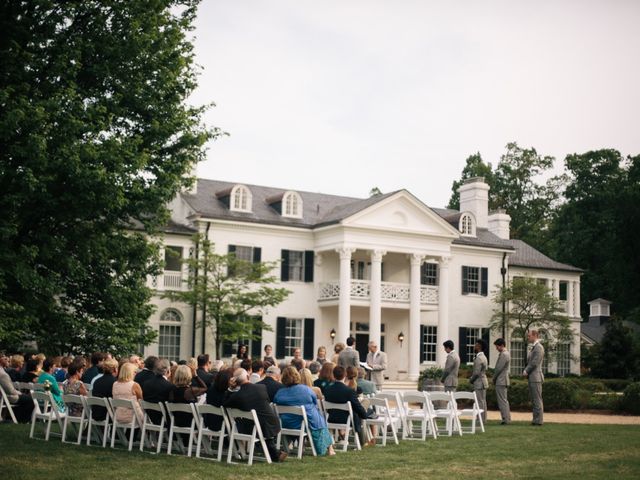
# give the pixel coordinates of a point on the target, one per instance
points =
(451, 366)
(501, 380)
(478, 377)
(349, 357)
(377, 361)
(533, 372)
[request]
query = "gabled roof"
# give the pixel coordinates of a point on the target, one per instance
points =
(527, 256)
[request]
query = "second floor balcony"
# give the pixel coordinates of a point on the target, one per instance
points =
(390, 292)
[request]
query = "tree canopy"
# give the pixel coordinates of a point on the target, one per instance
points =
(97, 138)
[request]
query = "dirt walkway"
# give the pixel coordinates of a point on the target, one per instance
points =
(592, 418)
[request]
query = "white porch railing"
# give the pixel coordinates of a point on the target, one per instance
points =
(389, 292)
(172, 280)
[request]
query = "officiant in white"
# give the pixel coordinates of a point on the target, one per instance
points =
(377, 362)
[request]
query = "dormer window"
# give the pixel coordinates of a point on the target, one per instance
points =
(292, 205)
(240, 199)
(467, 225)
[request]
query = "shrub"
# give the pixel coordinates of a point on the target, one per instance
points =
(616, 384)
(631, 399)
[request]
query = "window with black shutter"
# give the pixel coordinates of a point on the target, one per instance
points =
(475, 280)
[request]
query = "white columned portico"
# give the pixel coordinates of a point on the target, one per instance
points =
(414, 316)
(375, 292)
(344, 301)
(443, 310)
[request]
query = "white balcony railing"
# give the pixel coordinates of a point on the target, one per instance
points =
(389, 292)
(172, 280)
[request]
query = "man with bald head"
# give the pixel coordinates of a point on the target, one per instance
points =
(245, 396)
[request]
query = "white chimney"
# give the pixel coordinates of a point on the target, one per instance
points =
(499, 223)
(474, 198)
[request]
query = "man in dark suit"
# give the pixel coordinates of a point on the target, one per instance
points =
(204, 364)
(147, 372)
(158, 388)
(338, 392)
(103, 386)
(96, 363)
(271, 380)
(254, 396)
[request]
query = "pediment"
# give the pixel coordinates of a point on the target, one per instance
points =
(402, 212)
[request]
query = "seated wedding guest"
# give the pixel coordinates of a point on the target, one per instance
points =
(74, 386)
(21, 404)
(147, 371)
(217, 366)
(339, 347)
(61, 373)
(184, 392)
(203, 371)
(325, 377)
(339, 392)
(268, 355)
(249, 396)
(297, 354)
(243, 352)
(352, 379)
(307, 379)
(103, 387)
(196, 381)
(297, 393)
(246, 364)
(46, 378)
(158, 388)
(321, 356)
(96, 361)
(215, 396)
(298, 363)
(257, 371)
(271, 380)
(314, 368)
(125, 388)
(32, 369)
(137, 361)
(367, 387)
(15, 370)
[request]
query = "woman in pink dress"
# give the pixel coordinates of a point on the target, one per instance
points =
(126, 389)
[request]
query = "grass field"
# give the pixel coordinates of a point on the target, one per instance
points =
(515, 451)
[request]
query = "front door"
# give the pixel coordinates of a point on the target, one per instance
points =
(362, 345)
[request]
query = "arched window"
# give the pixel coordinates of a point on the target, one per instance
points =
(169, 334)
(292, 205)
(467, 225)
(240, 199)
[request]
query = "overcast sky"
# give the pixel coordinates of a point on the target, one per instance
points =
(339, 96)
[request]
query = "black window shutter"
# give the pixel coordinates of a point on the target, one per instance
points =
(486, 337)
(307, 347)
(227, 349)
(465, 280)
(382, 271)
(280, 336)
(308, 266)
(256, 343)
(462, 345)
(423, 351)
(284, 266)
(257, 254)
(485, 282)
(230, 268)
(232, 249)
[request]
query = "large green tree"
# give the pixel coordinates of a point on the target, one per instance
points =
(96, 136)
(231, 294)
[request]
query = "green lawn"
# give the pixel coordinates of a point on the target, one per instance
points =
(515, 451)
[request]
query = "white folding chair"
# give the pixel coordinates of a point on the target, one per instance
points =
(250, 439)
(204, 431)
(445, 409)
(396, 408)
(181, 408)
(301, 433)
(418, 410)
(71, 401)
(383, 422)
(342, 431)
(36, 387)
(45, 409)
(94, 405)
(120, 428)
(5, 403)
(473, 413)
(149, 426)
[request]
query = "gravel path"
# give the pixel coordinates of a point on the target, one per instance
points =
(590, 418)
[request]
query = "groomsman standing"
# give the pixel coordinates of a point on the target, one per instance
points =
(501, 380)
(451, 366)
(534, 374)
(377, 361)
(478, 377)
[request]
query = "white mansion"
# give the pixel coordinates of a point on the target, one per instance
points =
(385, 268)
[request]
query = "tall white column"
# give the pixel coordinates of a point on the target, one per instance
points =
(375, 292)
(576, 299)
(344, 305)
(570, 299)
(443, 310)
(414, 317)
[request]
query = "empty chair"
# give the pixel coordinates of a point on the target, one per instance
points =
(447, 411)
(100, 417)
(300, 433)
(45, 409)
(206, 434)
(149, 426)
(129, 423)
(396, 408)
(342, 431)
(182, 421)
(383, 421)
(473, 412)
(6, 404)
(249, 439)
(75, 404)
(417, 409)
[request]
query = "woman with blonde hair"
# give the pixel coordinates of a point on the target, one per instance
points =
(296, 393)
(196, 381)
(336, 352)
(126, 389)
(184, 392)
(306, 379)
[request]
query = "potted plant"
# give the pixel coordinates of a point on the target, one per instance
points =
(430, 379)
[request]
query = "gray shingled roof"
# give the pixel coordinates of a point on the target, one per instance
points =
(527, 256)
